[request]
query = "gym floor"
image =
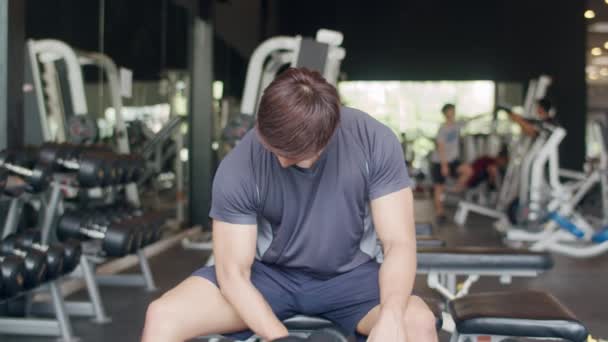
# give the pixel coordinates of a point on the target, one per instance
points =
(580, 284)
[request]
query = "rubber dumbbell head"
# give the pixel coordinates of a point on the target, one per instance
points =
(119, 240)
(12, 272)
(72, 248)
(73, 252)
(116, 240)
(35, 264)
(92, 172)
(54, 254)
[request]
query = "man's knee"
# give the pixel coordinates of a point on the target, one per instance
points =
(420, 320)
(158, 318)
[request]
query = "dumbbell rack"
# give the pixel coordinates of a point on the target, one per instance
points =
(61, 325)
(93, 308)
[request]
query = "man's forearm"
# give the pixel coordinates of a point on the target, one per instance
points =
(397, 275)
(251, 306)
(526, 127)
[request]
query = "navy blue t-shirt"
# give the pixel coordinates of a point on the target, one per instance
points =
(317, 219)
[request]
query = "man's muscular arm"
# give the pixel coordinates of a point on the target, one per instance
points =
(526, 127)
(394, 222)
(393, 217)
(234, 248)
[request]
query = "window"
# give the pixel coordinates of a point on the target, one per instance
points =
(414, 108)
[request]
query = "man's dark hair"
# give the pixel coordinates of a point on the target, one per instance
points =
(298, 113)
(447, 107)
(545, 104)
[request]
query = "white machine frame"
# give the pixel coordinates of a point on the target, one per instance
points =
(513, 178)
(284, 50)
(564, 201)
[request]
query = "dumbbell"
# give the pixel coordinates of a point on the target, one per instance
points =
(119, 218)
(148, 223)
(72, 248)
(12, 272)
(116, 239)
(136, 167)
(34, 261)
(91, 171)
(53, 254)
(323, 335)
(37, 178)
(113, 170)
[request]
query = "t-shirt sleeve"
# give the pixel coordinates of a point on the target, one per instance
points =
(388, 172)
(441, 134)
(233, 194)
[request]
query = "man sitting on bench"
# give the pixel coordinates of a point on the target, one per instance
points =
(298, 207)
(488, 169)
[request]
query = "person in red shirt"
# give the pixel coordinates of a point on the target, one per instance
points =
(487, 168)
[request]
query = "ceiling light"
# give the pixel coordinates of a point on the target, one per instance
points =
(606, 1)
(593, 77)
(589, 14)
(596, 51)
(604, 71)
(606, 44)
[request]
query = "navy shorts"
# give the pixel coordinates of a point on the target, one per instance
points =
(436, 175)
(343, 299)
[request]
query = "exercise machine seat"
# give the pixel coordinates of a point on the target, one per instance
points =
(310, 323)
(424, 229)
(533, 314)
(429, 241)
(483, 258)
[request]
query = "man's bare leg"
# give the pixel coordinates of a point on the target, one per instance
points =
(438, 199)
(193, 308)
(465, 171)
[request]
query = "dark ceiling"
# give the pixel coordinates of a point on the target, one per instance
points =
(390, 40)
(512, 40)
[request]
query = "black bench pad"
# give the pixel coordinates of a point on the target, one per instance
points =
(424, 229)
(519, 313)
(483, 258)
(308, 323)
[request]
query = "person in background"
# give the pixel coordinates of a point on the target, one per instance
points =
(488, 169)
(531, 127)
(445, 160)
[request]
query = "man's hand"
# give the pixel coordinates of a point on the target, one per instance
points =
(445, 170)
(389, 327)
